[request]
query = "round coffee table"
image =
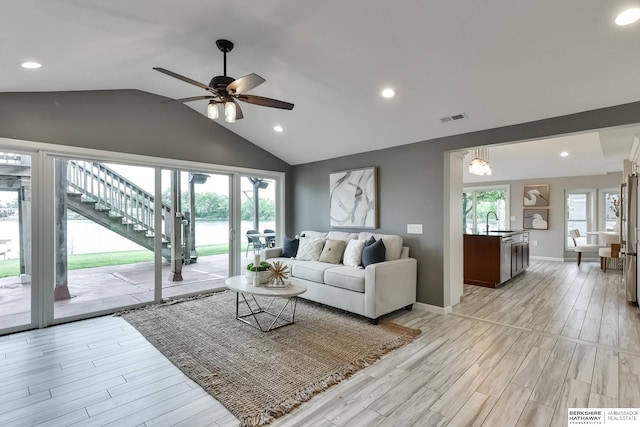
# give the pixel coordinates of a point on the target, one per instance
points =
(248, 292)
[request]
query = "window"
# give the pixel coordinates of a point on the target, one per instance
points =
(478, 202)
(589, 211)
(609, 208)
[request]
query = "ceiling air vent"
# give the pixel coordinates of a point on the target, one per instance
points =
(453, 117)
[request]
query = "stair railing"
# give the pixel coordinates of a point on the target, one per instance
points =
(114, 193)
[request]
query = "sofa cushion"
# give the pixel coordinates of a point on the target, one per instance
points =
(310, 270)
(309, 249)
(290, 247)
(392, 243)
(341, 235)
(353, 253)
(373, 253)
(346, 278)
(332, 251)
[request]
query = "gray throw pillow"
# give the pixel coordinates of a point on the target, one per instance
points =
(290, 247)
(373, 253)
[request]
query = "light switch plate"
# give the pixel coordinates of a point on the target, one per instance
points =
(414, 228)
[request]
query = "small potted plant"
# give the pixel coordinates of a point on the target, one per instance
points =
(261, 271)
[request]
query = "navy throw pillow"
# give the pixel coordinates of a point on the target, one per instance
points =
(290, 247)
(373, 253)
(371, 241)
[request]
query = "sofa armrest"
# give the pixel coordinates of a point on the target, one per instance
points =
(271, 253)
(389, 286)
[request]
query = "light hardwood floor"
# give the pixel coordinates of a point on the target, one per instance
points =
(556, 337)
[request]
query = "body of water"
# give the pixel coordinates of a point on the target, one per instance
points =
(84, 236)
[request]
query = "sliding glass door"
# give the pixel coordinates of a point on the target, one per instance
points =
(116, 234)
(258, 213)
(195, 247)
(15, 240)
(103, 219)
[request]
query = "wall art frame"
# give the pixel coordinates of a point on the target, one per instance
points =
(536, 195)
(535, 219)
(353, 198)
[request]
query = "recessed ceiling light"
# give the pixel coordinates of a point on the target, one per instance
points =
(628, 16)
(388, 93)
(564, 154)
(30, 64)
(278, 128)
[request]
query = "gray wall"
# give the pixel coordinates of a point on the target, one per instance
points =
(411, 184)
(551, 241)
(128, 121)
(405, 187)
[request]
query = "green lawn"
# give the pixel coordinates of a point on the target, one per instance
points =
(11, 267)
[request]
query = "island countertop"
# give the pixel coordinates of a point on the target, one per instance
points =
(498, 233)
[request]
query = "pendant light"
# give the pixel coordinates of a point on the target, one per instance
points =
(480, 162)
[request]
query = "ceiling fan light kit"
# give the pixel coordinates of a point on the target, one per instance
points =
(226, 90)
(212, 110)
(229, 112)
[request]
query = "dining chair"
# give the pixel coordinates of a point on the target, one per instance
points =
(582, 247)
(610, 250)
(608, 254)
(253, 241)
(270, 241)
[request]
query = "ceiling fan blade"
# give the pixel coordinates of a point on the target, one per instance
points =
(183, 78)
(193, 98)
(239, 114)
(245, 84)
(265, 102)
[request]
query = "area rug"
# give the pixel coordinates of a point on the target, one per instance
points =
(259, 376)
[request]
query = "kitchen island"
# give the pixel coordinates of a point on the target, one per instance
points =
(493, 258)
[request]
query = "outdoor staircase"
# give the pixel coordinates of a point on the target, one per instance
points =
(107, 198)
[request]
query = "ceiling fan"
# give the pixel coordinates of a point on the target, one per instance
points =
(226, 90)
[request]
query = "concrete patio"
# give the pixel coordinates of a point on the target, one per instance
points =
(105, 288)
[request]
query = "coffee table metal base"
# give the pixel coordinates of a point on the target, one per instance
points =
(285, 318)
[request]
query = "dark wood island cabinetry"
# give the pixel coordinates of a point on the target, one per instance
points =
(490, 259)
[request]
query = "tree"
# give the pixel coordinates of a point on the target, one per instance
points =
(215, 206)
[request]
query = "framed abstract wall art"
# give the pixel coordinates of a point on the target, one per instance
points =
(353, 198)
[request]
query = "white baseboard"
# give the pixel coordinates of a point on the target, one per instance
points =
(547, 258)
(432, 308)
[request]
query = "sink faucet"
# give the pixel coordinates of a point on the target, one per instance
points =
(494, 214)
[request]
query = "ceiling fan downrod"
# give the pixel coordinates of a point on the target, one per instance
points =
(224, 46)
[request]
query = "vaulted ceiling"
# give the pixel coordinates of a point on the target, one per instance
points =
(499, 63)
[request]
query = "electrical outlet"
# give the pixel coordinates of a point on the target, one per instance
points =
(414, 228)
(513, 218)
(535, 243)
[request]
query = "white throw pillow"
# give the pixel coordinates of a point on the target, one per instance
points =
(341, 235)
(313, 234)
(353, 253)
(309, 249)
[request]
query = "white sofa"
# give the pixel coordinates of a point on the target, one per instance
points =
(373, 291)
